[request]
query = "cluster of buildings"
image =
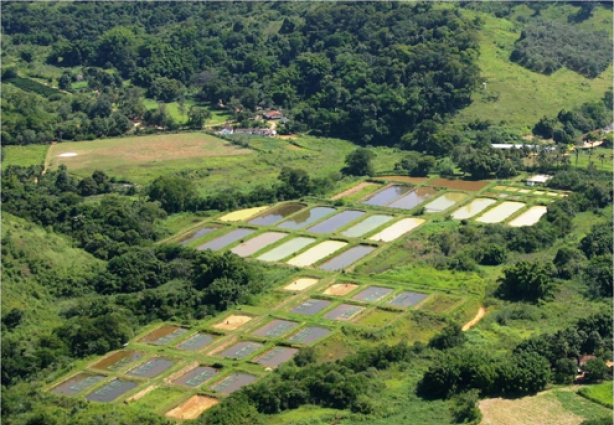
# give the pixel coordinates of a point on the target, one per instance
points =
(268, 132)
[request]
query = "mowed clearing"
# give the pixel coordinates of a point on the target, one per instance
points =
(559, 407)
(117, 156)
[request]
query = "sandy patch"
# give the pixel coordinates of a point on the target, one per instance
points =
(242, 214)
(340, 289)
(543, 409)
(141, 394)
(67, 154)
(300, 284)
(352, 190)
(192, 408)
(232, 322)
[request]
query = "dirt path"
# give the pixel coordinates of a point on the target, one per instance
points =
(481, 313)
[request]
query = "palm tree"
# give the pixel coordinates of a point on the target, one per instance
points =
(560, 153)
(577, 152)
(590, 154)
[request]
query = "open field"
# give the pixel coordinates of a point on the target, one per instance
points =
(599, 393)
(151, 154)
(523, 96)
(556, 407)
(24, 155)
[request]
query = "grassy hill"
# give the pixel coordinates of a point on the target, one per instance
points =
(517, 97)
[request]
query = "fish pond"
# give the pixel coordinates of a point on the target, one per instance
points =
(343, 312)
(276, 328)
(367, 225)
(529, 217)
(444, 202)
(309, 334)
(151, 368)
(305, 218)
(397, 230)
(316, 253)
(257, 243)
(77, 384)
(473, 208)
(347, 258)
(196, 376)
(196, 342)
(386, 195)
(407, 299)
(277, 214)
(276, 356)
(338, 220)
(500, 212)
(372, 294)
(111, 391)
(241, 349)
(413, 199)
(233, 383)
(286, 249)
(311, 307)
(225, 240)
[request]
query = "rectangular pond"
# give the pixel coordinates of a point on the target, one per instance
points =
(444, 202)
(164, 335)
(152, 367)
(286, 249)
(365, 226)
(311, 307)
(196, 376)
(242, 215)
(473, 208)
(413, 199)
(529, 217)
(111, 391)
(196, 342)
(386, 195)
(316, 253)
(276, 356)
(500, 212)
(309, 335)
(253, 245)
(307, 217)
(198, 234)
(338, 220)
(343, 312)
(276, 328)
(407, 299)
(118, 360)
(277, 214)
(347, 258)
(372, 294)
(233, 383)
(397, 230)
(241, 350)
(227, 239)
(78, 383)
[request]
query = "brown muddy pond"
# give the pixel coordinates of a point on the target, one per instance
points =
(164, 335)
(277, 214)
(118, 360)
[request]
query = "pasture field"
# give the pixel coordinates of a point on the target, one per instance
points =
(523, 96)
(141, 158)
(24, 156)
(599, 393)
(554, 407)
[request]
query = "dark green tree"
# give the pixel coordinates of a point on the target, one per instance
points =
(360, 163)
(526, 281)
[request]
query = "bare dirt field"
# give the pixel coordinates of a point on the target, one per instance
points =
(300, 284)
(340, 289)
(232, 322)
(192, 408)
(352, 190)
(459, 184)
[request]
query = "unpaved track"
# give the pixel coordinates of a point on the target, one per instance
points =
(481, 313)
